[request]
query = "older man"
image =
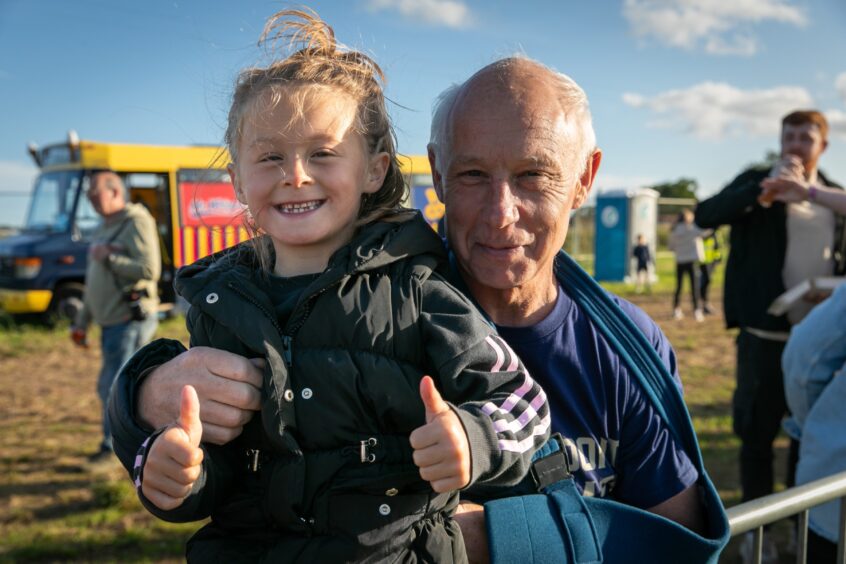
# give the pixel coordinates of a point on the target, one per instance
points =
(513, 152)
(123, 258)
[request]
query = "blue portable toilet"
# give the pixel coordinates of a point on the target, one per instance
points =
(620, 216)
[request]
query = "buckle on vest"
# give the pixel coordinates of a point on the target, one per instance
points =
(550, 469)
(365, 455)
(254, 459)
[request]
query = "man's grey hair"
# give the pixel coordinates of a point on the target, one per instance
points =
(571, 97)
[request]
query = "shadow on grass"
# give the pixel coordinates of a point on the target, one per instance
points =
(129, 547)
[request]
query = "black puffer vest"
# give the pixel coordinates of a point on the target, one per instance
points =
(326, 473)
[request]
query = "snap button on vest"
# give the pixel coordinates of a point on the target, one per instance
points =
(391, 492)
(288, 395)
(385, 509)
(212, 298)
(307, 393)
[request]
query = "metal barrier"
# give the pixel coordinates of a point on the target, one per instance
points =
(753, 515)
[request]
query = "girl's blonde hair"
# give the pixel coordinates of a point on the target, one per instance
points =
(317, 59)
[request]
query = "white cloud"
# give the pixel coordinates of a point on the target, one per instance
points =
(447, 13)
(715, 26)
(714, 110)
(840, 85)
(836, 123)
(16, 176)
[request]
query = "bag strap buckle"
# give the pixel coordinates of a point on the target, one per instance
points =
(550, 469)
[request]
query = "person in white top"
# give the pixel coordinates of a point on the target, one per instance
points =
(686, 243)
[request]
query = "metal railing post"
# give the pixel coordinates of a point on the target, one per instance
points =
(753, 515)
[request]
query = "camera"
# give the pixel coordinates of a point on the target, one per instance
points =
(133, 300)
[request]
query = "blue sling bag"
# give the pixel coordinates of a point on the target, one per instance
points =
(559, 524)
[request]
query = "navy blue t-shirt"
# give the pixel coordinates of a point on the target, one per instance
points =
(618, 446)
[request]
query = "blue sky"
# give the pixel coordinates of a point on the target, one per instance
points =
(690, 88)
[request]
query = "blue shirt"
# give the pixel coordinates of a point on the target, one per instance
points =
(617, 445)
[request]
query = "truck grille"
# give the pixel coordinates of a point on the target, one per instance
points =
(7, 267)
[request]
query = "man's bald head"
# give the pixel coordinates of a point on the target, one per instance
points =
(526, 86)
(106, 192)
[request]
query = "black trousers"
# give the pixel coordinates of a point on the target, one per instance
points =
(758, 408)
(690, 269)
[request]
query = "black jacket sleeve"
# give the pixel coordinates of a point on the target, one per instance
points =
(503, 410)
(127, 432)
(219, 462)
(733, 203)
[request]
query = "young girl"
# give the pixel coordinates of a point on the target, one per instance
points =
(357, 455)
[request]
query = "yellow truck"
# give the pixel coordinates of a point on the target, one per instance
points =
(186, 188)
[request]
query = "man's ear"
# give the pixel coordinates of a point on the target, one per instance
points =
(587, 178)
(437, 179)
(376, 171)
(239, 194)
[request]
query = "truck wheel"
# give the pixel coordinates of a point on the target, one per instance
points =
(67, 301)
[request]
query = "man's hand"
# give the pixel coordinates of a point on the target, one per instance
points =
(470, 518)
(175, 458)
(228, 386)
(784, 190)
(441, 449)
(99, 251)
(79, 336)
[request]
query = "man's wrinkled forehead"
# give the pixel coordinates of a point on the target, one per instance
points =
(510, 106)
(521, 113)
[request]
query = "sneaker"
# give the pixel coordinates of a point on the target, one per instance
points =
(697, 315)
(707, 310)
(769, 554)
(677, 313)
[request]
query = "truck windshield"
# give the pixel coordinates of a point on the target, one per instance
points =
(53, 200)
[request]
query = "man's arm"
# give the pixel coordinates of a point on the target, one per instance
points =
(147, 390)
(685, 509)
(732, 203)
(788, 190)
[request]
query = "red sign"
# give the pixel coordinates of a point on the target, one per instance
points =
(205, 204)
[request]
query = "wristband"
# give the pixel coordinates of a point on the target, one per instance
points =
(812, 193)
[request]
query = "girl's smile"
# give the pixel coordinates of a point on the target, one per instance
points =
(302, 171)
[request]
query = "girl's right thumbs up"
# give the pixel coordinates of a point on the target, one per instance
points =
(189, 416)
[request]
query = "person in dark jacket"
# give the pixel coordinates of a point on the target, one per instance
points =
(384, 391)
(773, 246)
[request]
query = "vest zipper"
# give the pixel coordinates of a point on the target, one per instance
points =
(261, 307)
(286, 350)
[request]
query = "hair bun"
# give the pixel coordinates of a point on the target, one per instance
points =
(301, 31)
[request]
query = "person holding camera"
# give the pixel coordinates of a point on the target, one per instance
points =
(121, 284)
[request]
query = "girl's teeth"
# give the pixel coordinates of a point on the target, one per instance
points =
(300, 207)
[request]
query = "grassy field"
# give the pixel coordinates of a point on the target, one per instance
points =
(54, 506)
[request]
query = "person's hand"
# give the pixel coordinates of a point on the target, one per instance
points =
(441, 448)
(783, 190)
(175, 458)
(816, 295)
(79, 336)
(228, 385)
(789, 167)
(99, 251)
(470, 518)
